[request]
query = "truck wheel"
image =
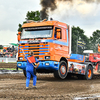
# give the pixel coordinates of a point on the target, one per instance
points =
(24, 72)
(62, 72)
(89, 73)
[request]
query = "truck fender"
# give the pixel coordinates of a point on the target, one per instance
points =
(88, 64)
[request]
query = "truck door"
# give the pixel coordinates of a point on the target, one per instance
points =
(58, 38)
(61, 45)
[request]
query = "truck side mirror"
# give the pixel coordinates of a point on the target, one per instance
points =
(18, 36)
(58, 33)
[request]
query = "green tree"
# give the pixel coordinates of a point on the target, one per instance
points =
(1, 47)
(19, 29)
(78, 34)
(95, 40)
(33, 15)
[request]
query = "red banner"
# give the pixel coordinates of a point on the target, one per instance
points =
(31, 59)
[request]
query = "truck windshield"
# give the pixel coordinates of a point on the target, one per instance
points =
(37, 32)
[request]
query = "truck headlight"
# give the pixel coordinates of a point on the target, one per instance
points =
(47, 57)
(47, 64)
(20, 58)
(19, 64)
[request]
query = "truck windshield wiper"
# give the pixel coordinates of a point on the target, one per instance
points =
(26, 38)
(34, 38)
(39, 38)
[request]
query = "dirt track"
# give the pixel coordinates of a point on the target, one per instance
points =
(12, 87)
(8, 65)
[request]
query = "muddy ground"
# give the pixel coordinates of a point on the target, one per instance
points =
(12, 87)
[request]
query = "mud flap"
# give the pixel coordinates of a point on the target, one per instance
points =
(98, 67)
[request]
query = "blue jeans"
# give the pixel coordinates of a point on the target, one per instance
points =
(28, 74)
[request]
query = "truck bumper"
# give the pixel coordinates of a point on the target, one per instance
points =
(49, 65)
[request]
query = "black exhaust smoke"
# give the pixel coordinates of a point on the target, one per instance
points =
(52, 5)
(47, 4)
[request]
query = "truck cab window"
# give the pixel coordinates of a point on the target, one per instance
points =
(57, 34)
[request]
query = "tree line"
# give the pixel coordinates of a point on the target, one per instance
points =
(78, 36)
(91, 43)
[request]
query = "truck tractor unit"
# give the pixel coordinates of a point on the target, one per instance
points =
(51, 43)
(94, 58)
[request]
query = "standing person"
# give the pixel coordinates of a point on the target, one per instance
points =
(30, 70)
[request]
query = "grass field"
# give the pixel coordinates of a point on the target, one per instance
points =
(9, 69)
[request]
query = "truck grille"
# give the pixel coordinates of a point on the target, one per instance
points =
(39, 49)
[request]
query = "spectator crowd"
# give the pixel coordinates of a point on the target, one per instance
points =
(8, 52)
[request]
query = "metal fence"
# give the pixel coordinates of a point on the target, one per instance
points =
(6, 60)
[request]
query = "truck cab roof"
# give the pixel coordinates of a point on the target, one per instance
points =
(45, 23)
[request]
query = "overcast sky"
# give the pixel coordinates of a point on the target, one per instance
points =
(13, 12)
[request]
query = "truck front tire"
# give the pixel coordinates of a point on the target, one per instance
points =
(62, 71)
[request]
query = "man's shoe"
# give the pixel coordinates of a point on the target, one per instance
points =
(34, 87)
(27, 88)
